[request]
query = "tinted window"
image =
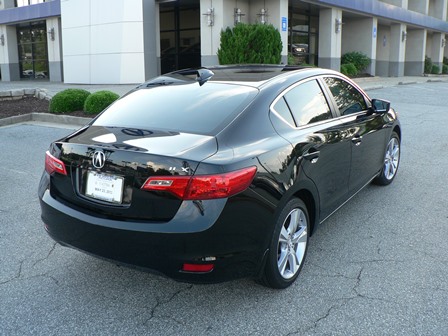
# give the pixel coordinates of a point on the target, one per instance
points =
(283, 110)
(348, 98)
(186, 108)
(307, 103)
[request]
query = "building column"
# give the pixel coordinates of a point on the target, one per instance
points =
(437, 49)
(361, 35)
(383, 46)
(151, 38)
(276, 14)
(415, 52)
(217, 15)
(9, 56)
(54, 43)
(398, 37)
(330, 33)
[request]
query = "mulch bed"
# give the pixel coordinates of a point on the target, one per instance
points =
(9, 108)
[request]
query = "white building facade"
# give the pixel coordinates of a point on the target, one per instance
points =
(123, 42)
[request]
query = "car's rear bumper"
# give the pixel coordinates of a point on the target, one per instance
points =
(235, 243)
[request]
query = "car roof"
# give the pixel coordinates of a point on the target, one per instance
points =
(255, 75)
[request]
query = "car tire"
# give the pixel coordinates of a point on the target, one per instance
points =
(391, 161)
(288, 246)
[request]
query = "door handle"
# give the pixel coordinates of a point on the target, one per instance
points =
(357, 139)
(312, 155)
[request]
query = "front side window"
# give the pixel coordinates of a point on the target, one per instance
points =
(307, 103)
(347, 97)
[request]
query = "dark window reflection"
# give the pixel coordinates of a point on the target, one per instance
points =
(308, 103)
(348, 98)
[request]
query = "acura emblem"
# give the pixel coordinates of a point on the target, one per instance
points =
(98, 160)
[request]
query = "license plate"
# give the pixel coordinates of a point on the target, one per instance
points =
(104, 187)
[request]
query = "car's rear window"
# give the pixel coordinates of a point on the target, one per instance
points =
(189, 108)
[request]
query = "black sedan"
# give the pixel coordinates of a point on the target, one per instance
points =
(213, 174)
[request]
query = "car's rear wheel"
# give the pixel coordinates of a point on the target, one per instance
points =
(391, 161)
(288, 246)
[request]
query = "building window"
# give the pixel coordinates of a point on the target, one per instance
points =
(21, 3)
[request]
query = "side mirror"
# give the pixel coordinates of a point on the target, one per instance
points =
(380, 106)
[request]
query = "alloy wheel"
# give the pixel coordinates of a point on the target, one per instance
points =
(392, 158)
(292, 243)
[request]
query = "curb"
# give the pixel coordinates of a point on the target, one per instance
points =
(373, 87)
(45, 117)
(21, 93)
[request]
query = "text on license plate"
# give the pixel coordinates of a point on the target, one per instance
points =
(104, 187)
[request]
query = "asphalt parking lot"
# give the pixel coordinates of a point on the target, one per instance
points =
(379, 266)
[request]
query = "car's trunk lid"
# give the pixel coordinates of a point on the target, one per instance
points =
(107, 166)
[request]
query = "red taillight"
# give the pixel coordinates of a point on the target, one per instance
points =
(198, 268)
(53, 165)
(202, 187)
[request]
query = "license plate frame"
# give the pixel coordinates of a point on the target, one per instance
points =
(104, 187)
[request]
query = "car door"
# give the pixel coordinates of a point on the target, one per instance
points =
(364, 130)
(323, 155)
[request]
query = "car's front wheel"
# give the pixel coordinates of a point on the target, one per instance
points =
(288, 246)
(391, 161)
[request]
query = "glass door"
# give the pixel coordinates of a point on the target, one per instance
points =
(303, 34)
(33, 52)
(180, 35)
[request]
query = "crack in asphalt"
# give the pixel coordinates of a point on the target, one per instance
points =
(429, 255)
(378, 247)
(48, 255)
(343, 301)
(17, 276)
(159, 303)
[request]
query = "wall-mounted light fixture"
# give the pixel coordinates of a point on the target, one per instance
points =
(51, 33)
(2, 39)
(338, 25)
(263, 15)
(404, 35)
(210, 16)
(237, 15)
(443, 43)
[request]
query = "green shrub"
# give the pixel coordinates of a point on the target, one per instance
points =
(358, 59)
(435, 69)
(428, 65)
(445, 60)
(349, 69)
(445, 69)
(250, 44)
(98, 101)
(291, 59)
(69, 100)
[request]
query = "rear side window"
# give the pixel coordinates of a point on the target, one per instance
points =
(307, 103)
(347, 97)
(282, 109)
(188, 108)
